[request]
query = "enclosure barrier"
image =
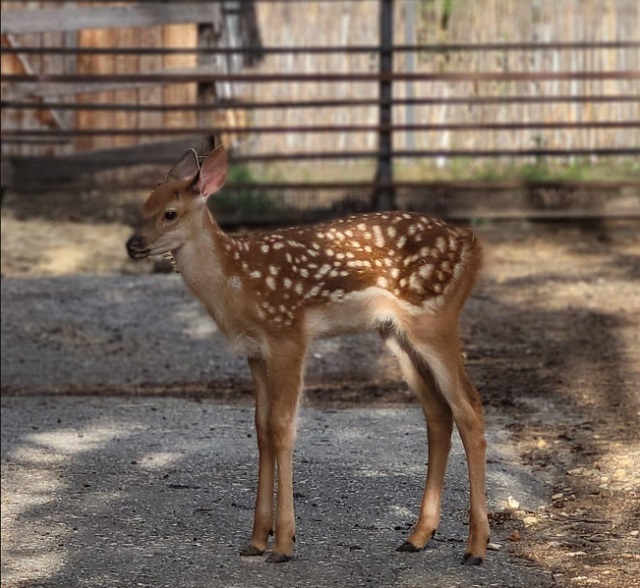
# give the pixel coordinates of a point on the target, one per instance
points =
(106, 90)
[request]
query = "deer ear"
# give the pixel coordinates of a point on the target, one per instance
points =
(186, 168)
(213, 172)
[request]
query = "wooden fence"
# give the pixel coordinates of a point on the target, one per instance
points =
(329, 99)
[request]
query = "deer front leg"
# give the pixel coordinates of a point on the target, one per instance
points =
(263, 515)
(284, 372)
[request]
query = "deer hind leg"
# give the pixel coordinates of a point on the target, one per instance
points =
(439, 429)
(263, 515)
(439, 348)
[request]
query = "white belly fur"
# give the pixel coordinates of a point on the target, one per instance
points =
(364, 310)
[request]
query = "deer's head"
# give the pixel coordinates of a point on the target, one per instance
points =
(173, 206)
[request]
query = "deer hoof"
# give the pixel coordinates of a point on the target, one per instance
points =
(277, 558)
(471, 560)
(408, 547)
(251, 551)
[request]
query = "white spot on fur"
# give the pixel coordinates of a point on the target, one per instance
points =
(415, 284)
(313, 292)
(255, 274)
(382, 282)
(323, 271)
(265, 248)
(426, 270)
(379, 239)
(271, 283)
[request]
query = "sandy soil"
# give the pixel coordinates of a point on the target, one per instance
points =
(555, 354)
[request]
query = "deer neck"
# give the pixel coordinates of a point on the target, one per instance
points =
(204, 267)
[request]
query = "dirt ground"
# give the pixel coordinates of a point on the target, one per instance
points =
(555, 353)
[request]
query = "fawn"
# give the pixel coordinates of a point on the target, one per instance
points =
(404, 275)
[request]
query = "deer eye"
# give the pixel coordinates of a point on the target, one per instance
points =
(170, 215)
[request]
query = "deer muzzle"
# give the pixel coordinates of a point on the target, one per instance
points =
(137, 247)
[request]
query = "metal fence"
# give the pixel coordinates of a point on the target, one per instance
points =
(370, 108)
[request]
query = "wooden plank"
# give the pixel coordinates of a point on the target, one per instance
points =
(99, 65)
(126, 64)
(181, 93)
(150, 95)
(77, 18)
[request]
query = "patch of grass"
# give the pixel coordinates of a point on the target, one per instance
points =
(578, 169)
(246, 200)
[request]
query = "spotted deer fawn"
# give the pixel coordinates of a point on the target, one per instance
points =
(401, 274)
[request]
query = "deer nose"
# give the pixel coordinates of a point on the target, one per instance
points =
(137, 247)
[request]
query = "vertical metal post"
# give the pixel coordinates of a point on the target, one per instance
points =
(410, 39)
(384, 195)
